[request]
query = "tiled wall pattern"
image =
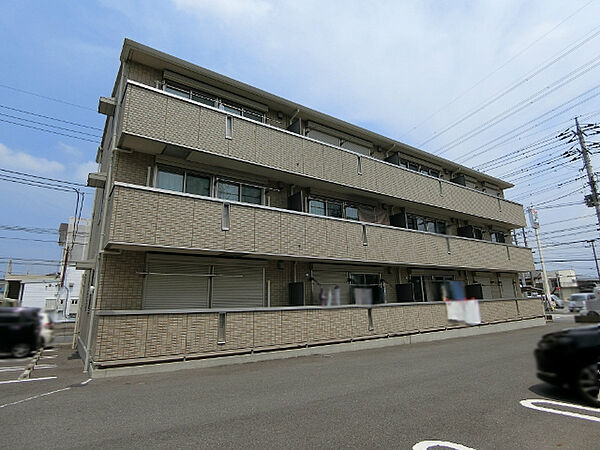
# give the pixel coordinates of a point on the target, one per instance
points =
(169, 219)
(157, 116)
(126, 337)
(120, 284)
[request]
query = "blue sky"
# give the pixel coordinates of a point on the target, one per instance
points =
(406, 69)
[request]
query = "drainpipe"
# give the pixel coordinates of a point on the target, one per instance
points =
(107, 192)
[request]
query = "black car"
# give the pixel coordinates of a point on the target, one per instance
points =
(19, 331)
(572, 357)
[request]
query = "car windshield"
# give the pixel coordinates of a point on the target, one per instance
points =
(578, 297)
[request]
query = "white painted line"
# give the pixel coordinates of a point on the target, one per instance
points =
(424, 445)
(532, 404)
(29, 379)
(48, 357)
(12, 369)
(34, 397)
(49, 350)
(83, 383)
(44, 366)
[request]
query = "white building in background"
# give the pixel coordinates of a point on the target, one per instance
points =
(73, 238)
(56, 293)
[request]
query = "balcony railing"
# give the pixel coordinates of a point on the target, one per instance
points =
(153, 118)
(156, 218)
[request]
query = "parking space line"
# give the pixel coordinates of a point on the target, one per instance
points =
(533, 404)
(34, 397)
(27, 380)
(424, 445)
(12, 369)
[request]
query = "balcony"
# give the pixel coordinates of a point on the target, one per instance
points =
(157, 219)
(153, 118)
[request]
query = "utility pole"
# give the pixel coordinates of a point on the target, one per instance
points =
(535, 223)
(590, 173)
(592, 241)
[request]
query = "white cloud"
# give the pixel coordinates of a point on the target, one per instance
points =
(17, 160)
(81, 171)
(69, 149)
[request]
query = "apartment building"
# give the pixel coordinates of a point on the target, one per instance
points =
(228, 219)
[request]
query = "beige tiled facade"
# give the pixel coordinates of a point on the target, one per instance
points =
(138, 337)
(291, 246)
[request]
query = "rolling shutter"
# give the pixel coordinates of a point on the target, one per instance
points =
(236, 286)
(176, 283)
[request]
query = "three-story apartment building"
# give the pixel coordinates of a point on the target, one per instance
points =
(228, 219)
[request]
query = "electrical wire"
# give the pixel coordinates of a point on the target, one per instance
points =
(462, 94)
(538, 95)
(46, 97)
(49, 117)
(48, 131)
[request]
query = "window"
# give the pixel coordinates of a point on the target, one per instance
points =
(228, 191)
(316, 207)
(365, 288)
(498, 236)
(182, 181)
(351, 213)
(420, 168)
(477, 233)
(251, 194)
(239, 192)
(170, 179)
(332, 208)
(195, 184)
(414, 222)
(210, 100)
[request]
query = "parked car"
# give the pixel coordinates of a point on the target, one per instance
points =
(572, 357)
(558, 302)
(19, 330)
(47, 329)
(577, 301)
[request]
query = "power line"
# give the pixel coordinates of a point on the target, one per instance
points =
(472, 153)
(50, 117)
(29, 229)
(541, 93)
(496, 70)
(47, 98)
(48, 131)
(43, 178)
(50, 126)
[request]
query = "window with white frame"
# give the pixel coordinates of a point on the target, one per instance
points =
(175, 179)
(332, 208)
(182, 180)
(416, 222)
(211, 100)
(239, 192)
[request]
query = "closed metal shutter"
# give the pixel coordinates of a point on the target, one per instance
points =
(328, 280)
(507, 287)
(176, 283)
(238, 287)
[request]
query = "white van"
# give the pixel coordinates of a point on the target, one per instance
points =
(592, 306)
(577, 302)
